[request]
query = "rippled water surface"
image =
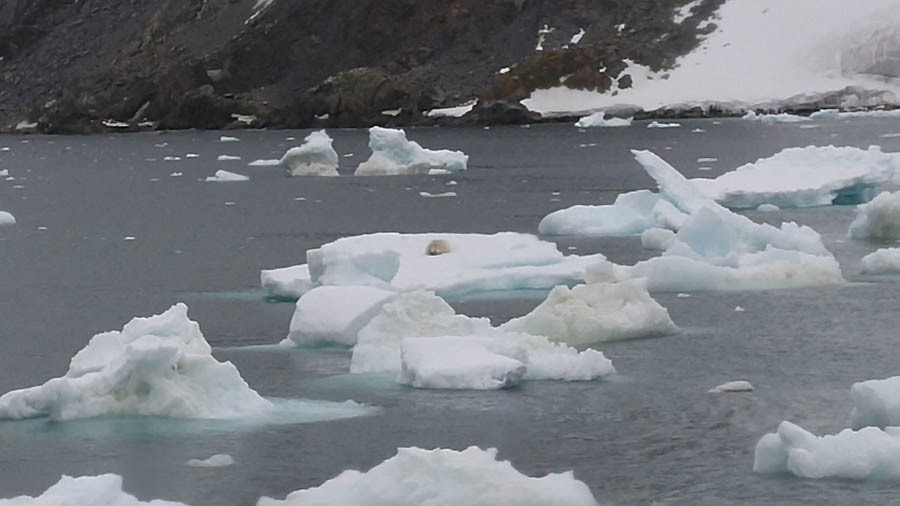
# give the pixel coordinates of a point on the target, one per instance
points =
(650, 435)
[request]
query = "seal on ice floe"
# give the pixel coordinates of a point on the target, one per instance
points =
(437, 247)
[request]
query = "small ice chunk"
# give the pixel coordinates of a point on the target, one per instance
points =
(393, 154)
(226, 158)
(286, 282)
(176, 174)
(771, 119)
(707, 159)
(271, 162)
(739, 309)
(414, 477)
(437, 195)
(5, 148)
(128, 238)
(876, 403)
(882, 261)
(218, 460)
(171, 158)
(4, 172)
(683, 295)
(226, 138)
(7, 218)
(878, 219)
(328, 315)
(192, 155)
(768, 208)
(223, 176)
(657, 124)
(451, 183)
(105, 489)
(577, 37)
(598, 119)
(698, 131)
(732, 386)
(316, 157)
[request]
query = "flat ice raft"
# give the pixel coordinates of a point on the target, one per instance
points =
(416, 477)
(462, 264)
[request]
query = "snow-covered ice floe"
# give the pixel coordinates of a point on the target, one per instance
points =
(316, 157)
(288, 283)
(869, 453)
(414, 477)
(881, 261)
(632, 213)
(7, 218)
(732, 386)
(657, 124)
(393, 154)
(223, 176)
(265, 162)
(599, 119)
(159, 365)
(329, 315)
(876, 403)
(227, 158)
(105, 489)
(596, 312)
(878, 219)
(771, 119)
(764, 55)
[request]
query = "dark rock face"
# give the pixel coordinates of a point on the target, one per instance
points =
(298, 63)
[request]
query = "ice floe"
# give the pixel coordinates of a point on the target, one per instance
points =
(771, 119)
(227, 158)
(335, 314)
(657, 239)
(657, 124)
(7, 218)
(159, 365)
(223, 176)
(876, 403)
(105, 489)
(732, 386)
(218, 460)
(596, 312)
(414, 477)
(878, 219)
(226, 138)
(599, 119)
(265, 162)
(881, 261)
(287, 282)
(316, 157)
(393, 154)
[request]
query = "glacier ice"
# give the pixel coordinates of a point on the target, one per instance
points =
(393, 154)
(315, 157)
(599, 119)
(878, 219)
(476, 263)
(223, 176)
(876, 403)
(105, 490)
(596, 312)
(159, 365)
(287, 282)
(882, 261)
(329, 315)
(869, 453)
(415, 477)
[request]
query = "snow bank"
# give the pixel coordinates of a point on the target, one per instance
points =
(595, 313)
(7, 218)
(160, 365)
(393, 154)
(335, 314)
(415, 314)
(876, 403)
(804, 177)
(287, 282)
(870, 453)
(598, 119)
(315, 157)
(415, 477)
(765, 55)
(223, 176)
(878, 219)
(218, 460)
(105, 490)
(882, 261)
(475, 263)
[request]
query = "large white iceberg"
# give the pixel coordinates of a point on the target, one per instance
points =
(315, 157)
(882, 261)
(595, 313)
(105, 490)
(335, 314)
(393, 154)
(417, 477)
(472, 263)
(876, 402)
(878, 219)
(869, 453)
(495, 361)
(599, 119)
(160, 365)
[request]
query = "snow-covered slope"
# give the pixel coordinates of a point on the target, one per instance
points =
(767, 54)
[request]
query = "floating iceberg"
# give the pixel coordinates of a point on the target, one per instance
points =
(595, 313)
(226, 138)
(870, 453)
(160, 366)
(599, 119)
(882, 261)
(265, 162)
(771, 119)
(287, 282)
(414, 314)
(415, 477)
(876, 403)
(218, 460)
(7, 218)
(732, 386)
(227, 158)
(105, 490)
(657, 124)
(335, 314)
(315, 157)
(495, 361)
(657, 239)
(878, 219)
(393, 154)
(223, 176)
(631, 214)
(472, 263)
(804, 177)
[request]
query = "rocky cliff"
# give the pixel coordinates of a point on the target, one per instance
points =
(94, 65)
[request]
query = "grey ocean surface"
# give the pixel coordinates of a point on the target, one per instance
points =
(650, 435)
